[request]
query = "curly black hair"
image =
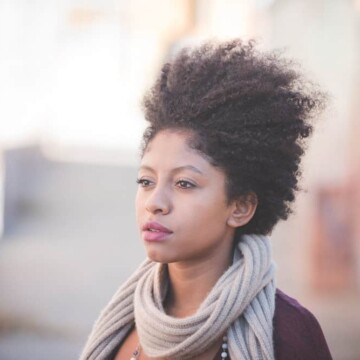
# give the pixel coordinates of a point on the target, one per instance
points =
(249, 113)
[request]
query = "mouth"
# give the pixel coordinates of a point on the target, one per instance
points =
(154, 226)
(154, 231)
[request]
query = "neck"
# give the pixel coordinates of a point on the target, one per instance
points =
(190, 283)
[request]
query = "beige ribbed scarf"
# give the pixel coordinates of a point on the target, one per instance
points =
(242, 303)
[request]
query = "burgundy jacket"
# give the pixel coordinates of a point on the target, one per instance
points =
(297, 333)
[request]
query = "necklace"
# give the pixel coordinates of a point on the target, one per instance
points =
(224, 350)
(136, 352)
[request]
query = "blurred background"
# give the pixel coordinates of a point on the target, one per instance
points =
(72, 74)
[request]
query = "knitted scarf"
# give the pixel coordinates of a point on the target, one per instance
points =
(242, 303)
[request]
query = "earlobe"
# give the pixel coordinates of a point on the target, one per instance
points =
(243, 210)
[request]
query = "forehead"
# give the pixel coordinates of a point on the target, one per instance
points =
(172, 148)
(168, 137)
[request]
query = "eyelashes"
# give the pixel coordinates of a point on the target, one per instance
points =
(185, 184)
(143, 182)
(181, 183)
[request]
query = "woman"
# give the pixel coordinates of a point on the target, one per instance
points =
(219, 168)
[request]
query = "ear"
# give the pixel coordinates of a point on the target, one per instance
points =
(243, 209)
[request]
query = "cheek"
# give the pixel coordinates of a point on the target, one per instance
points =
(207, 215)
(137, 200)
(139, 204)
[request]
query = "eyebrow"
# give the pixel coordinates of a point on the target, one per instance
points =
(175, 170)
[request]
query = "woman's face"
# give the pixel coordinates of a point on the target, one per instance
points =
(181, 205)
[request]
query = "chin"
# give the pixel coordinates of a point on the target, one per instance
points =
(160, 256)
(156, 256)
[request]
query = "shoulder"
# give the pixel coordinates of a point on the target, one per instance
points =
(297, 333)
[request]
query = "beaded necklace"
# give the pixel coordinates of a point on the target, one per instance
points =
(224, 352)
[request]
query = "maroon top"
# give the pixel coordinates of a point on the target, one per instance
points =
(297, 333)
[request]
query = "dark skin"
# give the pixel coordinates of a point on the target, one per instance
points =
(196, 259)
(131, 342)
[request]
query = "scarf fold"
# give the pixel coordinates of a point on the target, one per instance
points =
(242, 303)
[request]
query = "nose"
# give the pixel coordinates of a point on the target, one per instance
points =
(158, 201)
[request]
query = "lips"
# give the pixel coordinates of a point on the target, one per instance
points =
(154, 231)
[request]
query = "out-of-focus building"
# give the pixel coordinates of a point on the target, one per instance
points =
(72, 77)
(354, 176)
(79, 71)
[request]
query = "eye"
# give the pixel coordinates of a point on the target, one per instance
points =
(184, 184)
(143, 182)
